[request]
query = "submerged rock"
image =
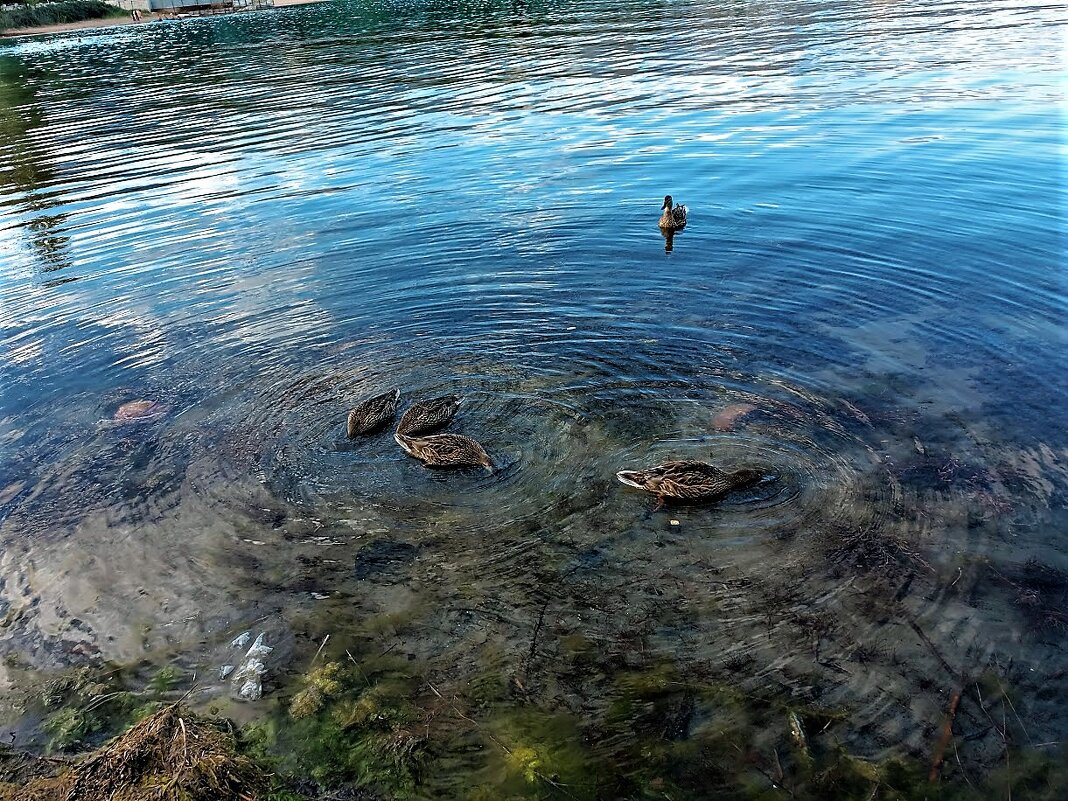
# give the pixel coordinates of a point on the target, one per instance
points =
(138, 410)
(725, 420)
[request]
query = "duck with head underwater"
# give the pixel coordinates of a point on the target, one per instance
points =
(689, 480)
(429, 415)
(674, 217)
(373, 414)
(446, 450)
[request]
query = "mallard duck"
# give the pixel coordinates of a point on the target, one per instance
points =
(688, 480)
(674, 217)
(425, 416)
(372, 414)
(445, 450)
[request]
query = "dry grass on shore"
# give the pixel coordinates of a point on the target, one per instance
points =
(171, 755)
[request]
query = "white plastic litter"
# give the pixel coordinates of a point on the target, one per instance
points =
(259, 648)
(249, 675)
(241, 640)
(251, 690)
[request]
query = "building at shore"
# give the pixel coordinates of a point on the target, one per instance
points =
(205, 6)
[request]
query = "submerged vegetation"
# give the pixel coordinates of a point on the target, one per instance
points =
(375, 730)
(31, 15)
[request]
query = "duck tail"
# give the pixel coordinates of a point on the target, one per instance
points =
(632, 478)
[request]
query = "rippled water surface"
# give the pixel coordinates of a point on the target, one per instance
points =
(257, 221)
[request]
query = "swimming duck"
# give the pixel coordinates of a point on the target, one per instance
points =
(445, 450)
(688, 480)
(674, 217)
(372, 414)
(426, 416)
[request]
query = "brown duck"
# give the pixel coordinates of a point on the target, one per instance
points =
(674, 217)
(374, 413)
(688, 480)
(426, 416)
(445, 450)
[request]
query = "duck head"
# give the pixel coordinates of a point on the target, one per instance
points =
(746, 478)
(667, 202)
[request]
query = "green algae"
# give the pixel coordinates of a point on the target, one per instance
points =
(347, 724)
(381, 729)
(165, 680)
(532, 753)
(82, 708)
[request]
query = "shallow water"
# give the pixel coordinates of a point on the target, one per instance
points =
(258, 221)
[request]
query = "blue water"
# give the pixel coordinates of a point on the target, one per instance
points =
(257, 221)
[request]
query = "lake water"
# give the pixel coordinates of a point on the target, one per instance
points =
(257, 221)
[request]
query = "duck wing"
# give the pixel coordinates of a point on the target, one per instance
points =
(686, 479)
(447, 450)
(372, 414)
(425, 416)
(692, 480)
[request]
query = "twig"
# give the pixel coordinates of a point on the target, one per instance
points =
(185, 741)
(961, 766)
(321, 647)
(1008, 768)
(778, 765)
(1005, 695)
(508, 751)
(100, 699)
(943, 742)
(778, 785)
(537, 629)
(949, 668)
(960, 572)
(192, 689)
(469, 720)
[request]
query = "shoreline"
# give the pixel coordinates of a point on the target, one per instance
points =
(111, 22)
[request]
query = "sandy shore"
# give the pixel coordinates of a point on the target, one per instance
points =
(110, 22)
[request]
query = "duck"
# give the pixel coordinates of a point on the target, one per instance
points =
(372, 414)
(446, 450)
(689, 480)
(674, 217)
(426, 416)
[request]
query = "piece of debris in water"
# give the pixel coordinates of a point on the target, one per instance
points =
(241, 640)
(725, 420)
(138, 410)
(248, 678)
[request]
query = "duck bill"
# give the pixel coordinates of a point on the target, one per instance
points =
(629, 477)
